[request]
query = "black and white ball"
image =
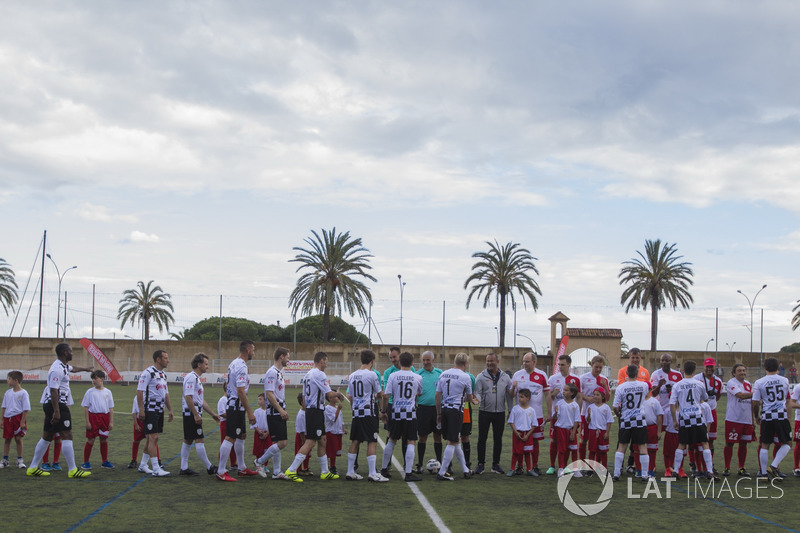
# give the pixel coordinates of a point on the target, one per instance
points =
(433, 466)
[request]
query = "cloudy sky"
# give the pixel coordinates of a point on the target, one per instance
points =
(195, 143)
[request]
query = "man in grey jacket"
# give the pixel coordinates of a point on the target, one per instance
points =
(491, 387)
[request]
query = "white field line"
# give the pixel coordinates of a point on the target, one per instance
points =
(432, 514)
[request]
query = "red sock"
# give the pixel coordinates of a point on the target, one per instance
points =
(514, 461)
(574, 455)
(637, 463)
(563, 457)
(135, 450)
(775, 450)
(46, 454)
(582, 448)
(593, 456)
(742, 455)
(797, 456)
(670, 445)
(692, 458)
(104, 450)
(602, 458)
(553, 453)
(333, 461)
(535, 454)
(727, 453)
(652, 455)
(56, 449)
(528, 461)
(87, 452)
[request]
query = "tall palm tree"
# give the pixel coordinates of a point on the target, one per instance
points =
(796, 317)
(656, 279)
(144, 304)
(8, 287)
(501, 272)
(332, 262)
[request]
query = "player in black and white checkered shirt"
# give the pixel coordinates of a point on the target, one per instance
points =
(687, 418)
(363, 387)
(404, 386)
(152, 395)
(771, 396)
(628, 405)
(193, 403)
(275, 396)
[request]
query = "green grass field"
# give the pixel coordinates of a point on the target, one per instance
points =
(125, 500)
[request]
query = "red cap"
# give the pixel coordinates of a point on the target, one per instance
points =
(710, 362)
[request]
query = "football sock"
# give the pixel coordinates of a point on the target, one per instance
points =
(145, 459)
(676, 464)
(466, 448)
(437, 449)
(104, 450)
(38, 452)
(447, 457)
(56, 449)
(602, 458)
(709, 460)
(651, 454)
(742, 455)
(224, 451)
(421, 454)
(134, 450)
(371, 460)
(645, 460)
(298, 460)
(763, 459)
(462, 460)
(69, 453)
(87, 452)
(201, 452)
(780, 455)
(797, 456)
(535, 453)
(727, 455)
(528, 461)
(276, 461)
(185, 455)
(410, 451)
(619, 458)
(154, 462)
(387, 454)
(351, 462)
(323, 463)
(238, 447)
(553, 453)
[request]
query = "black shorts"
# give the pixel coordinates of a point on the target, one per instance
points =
(404, 429)
(277, 428)
(65, 424)
(775, 428)
(690, 435)
(452, 422)
(315, 423)
(235, 424)
(426, 420)
(191, 429)
(635, 436)
(153, 422)
(364, 429)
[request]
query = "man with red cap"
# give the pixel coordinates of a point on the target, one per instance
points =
(714, 387)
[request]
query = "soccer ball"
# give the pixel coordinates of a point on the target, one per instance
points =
(433, 466)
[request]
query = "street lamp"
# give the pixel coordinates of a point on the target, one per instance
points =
(752, 304)
(402, 287)
(497, 330)
(533, 344)
(709, 342)
(58, 309)
(730, 346)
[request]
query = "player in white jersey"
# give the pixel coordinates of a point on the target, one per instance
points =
(714, 388)
(98, 407)
(238, 406)
(452, 390)
(193, 403)
(316, 391)
(16, 406)
(771, 395)
(557, 382)
(363, 388)
(662, 381)
(152, 395)
(654, 418)
(57, 419)
(628, 403)
(589, 382)
(403, 386)
(275, 395)
(567, 415)
(738, 418)
(687, 416)
(533, 379)
(794, 403)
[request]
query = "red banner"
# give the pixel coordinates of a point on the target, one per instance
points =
(101, 359)
(562, 349)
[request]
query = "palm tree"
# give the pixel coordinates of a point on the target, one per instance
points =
(8, 287)
(656, 280)
(333, 262)
(796, 317)
(144, 304)
(502, 271)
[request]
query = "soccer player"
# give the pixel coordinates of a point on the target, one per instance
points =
(98, 407)
(533, 379)
(152, 396)
(222, 407)
(316, 391)
(634, 358)
(589, 382)
(598, 426)
(662, 381)
(404, 386)
(738, 418)
(452, 390)
(193, 403)
(300, 435)
(426, 410)
(794, 403)
(654, 418)
(57, 418)
(261, 438)
(714, 388)
(275, 396)
(491, 388)
(557, 382)
(567, 417)
(628, 403)
(771, 395)
(334, 429)
(394, 358)
(687, 415)
(237, 407)
(16, 405)
(364, 387)
(521, 420)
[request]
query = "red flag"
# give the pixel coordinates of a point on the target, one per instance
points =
(562, 349)
(101, 358)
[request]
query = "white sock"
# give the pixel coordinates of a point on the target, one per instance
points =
(154, 462)
(185, 448)
(298, 460)
(276, 461)
(459, 453)
(371, 460)
(447, 457)
(644, 459)
(351, 463)
(201, 452)
(145, 458)
(410, 451)
(38, 452)
(238, 447)
(323, 463)
(782, 451)
(709, 460)
(619, 459)
(69, 453)
(224, 453)
(676, 465)
(387, 454)
(763, 460)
